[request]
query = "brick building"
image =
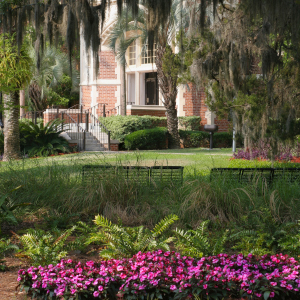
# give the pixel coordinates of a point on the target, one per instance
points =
(143, 96)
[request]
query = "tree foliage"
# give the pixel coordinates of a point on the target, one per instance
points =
(15, 67)
(248, 57)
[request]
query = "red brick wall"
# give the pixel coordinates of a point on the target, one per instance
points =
(86, 96)
(141, 112)
(195, 106)
(194, 101)
(107, 94)
(107, 65)
(223, 125)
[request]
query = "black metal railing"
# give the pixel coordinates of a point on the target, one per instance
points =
(73, 129)
(98, 130)
(114, 111)
(33, 116)
(98, 110)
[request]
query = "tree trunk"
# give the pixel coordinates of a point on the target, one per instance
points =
(168, 87)
(172, 124)
(22, 102)
(11, 126)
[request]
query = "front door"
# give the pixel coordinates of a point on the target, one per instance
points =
(151, 89)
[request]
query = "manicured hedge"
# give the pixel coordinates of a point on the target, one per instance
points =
(167, 276)
(189, 123)
(120, 126)
(193, 139)
(147, 139)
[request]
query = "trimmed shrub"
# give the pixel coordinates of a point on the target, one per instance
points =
(120, 126)
(147, 139)
(189, 123)
(194, 139)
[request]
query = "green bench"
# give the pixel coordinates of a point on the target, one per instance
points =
(146, 175)
(249, 174)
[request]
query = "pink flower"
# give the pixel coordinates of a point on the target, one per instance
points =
(205, 286)
(173, 287)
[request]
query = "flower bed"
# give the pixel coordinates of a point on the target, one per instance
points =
(167, 275)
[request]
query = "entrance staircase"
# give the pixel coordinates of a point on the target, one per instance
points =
(80, 126)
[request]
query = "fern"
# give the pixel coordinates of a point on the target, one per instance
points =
(45, 248)
(126, 241)
(197, 242)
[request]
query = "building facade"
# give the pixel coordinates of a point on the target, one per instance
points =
(143, 95)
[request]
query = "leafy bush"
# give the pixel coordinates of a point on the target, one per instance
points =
(189, 123)
(193, 139)
(167, 276)
(42, 140)
(45, 248)
(147, 139)
(127, 241)
(120, 126)
(63, 94)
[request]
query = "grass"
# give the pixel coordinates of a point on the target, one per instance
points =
(58, 195)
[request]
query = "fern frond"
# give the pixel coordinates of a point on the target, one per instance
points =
(164, 224)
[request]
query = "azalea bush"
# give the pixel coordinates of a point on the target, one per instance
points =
(166, 275)
(262, 150)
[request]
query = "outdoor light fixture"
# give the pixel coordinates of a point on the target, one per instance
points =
(211, 129)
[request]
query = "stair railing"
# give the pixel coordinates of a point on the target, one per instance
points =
(98, 130)
(97, 110)
(114, 111)
(71, 126)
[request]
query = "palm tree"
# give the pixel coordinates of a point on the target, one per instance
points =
(53, 64)
(127, 30)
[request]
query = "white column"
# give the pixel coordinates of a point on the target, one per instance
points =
(137, 88)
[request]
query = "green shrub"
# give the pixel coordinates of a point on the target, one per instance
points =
(147, 139)
(193, 139)
(222, 140)
(189, 123)
(120, 126)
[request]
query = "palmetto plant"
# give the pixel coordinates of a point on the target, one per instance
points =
(44, 248)
(198, 243)
(42, 140)
(127, 241)
(53, 64)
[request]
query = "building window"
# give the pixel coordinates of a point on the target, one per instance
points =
(146, 55)
(132, 54)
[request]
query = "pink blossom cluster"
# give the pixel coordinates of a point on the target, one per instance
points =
(168, 275)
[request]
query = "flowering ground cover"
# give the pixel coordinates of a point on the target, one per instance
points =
(167, 275)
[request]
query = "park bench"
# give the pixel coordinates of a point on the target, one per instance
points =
(244, 175)
(146, 175)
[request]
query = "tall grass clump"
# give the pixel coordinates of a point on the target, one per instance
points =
(56, 186)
